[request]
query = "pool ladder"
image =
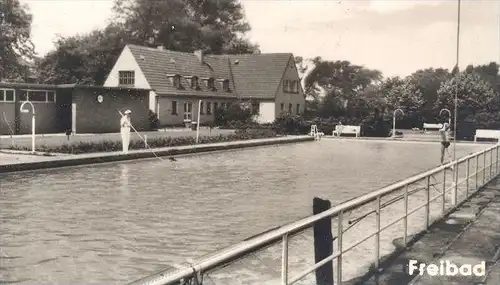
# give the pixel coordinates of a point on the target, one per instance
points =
(315, 133)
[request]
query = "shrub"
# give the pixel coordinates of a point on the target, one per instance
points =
(154, 123)
(108, 146)
(291, 125)
(234, 112)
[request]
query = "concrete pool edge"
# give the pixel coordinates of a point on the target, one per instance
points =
(96, 158)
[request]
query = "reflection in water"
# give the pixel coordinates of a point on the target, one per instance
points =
(117, 222)
(124, 177)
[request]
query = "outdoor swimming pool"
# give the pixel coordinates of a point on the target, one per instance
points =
(114, 223)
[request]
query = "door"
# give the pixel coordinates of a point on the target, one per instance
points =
(188, 108)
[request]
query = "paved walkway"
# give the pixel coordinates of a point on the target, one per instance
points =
(16, 161)
(468, 236)
(55, 140)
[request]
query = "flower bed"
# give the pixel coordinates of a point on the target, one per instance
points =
(108, 146)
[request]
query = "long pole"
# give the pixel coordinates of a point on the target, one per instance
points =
(33, 132)
(456, 88)
(455, 172)
(198, 122)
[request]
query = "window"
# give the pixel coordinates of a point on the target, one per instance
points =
(295, 86)
(291, 86)
(51, 96)
(174, 107)
(209, 108)
(256, 108)
(285, 86)
(188, 107)
(216, 106)
(282, 107)
(40, 96)
(211, 83)
(202, 111)
(297, 111)
(177, 81)
(225, 85)
(7, 95)
(194, 82)
(126, 77)
(290, 108)
(37, 96)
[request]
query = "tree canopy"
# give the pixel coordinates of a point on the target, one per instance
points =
(16, 47)
(215, 26)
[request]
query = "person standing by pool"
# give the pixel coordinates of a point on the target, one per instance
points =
(445, 139)
(125, 130)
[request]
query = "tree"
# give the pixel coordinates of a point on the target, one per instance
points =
(215, 26)
(403, 94)
(489, 73)
(83, 59)
(428, 81)
(15, 43)
(341, 82)
(474, 95)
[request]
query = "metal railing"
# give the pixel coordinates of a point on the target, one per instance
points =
(468, 175)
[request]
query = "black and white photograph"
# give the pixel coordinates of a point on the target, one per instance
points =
(250, 142)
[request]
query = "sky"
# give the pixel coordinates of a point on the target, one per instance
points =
(395, 36)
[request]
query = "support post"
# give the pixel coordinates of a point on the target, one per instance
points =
(33, 150)
(467, 178)
(323, 242)
(198, 122)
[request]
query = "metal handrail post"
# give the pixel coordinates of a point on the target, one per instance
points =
(455, 186)
(491, 164)
(443, 206)
(484, 168)
(477, 173)
(377, 236)
(405, 237)
(428, 202)
(340, 232)
(467, 179)
(284, 261)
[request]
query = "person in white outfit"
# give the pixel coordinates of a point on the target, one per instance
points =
(125, 130)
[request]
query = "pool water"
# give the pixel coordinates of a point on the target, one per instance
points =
(114, 223)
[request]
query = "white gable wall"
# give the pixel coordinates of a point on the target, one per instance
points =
(266, 113)
(127, 62)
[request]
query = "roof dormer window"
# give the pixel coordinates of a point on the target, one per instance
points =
(225, 85)
(175, 80)
(211, 83)
(194, 82)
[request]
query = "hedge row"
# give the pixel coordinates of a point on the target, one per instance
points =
(108, 146)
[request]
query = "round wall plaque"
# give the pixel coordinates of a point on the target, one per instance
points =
(100, 98)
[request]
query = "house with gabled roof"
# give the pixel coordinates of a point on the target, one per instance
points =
(180, 82)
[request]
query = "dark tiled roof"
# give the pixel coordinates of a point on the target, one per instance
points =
(258, 75)
(156, 64)
(254, 76)
(81, 86)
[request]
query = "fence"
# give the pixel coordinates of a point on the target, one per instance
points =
(409, 205)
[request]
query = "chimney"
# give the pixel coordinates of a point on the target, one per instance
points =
(199, 55)
(160, 47)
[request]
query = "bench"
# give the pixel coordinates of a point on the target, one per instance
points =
(346, 129)
(487, 134)
(428, 126)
